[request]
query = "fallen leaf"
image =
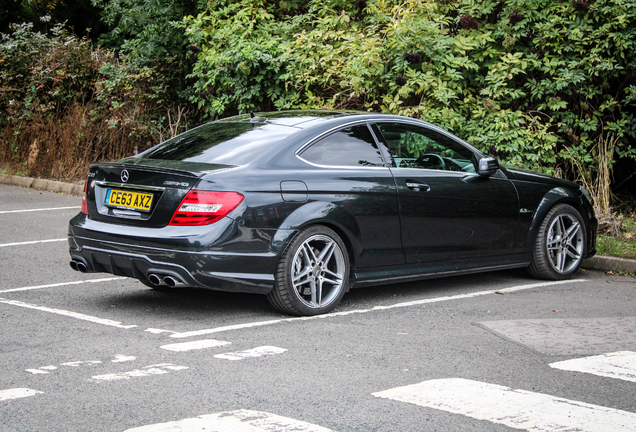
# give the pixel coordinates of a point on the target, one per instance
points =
(628, 235)
(555, 310)
(500, 293)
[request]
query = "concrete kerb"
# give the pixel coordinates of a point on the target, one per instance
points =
(43, 184)
(609, 263)
(599, 262)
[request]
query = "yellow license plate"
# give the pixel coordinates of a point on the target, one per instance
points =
(128, 200)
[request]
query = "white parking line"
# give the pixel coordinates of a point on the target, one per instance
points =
(195, 345)
(44, 370)
(36, 287)
(376, 308)
(33, 242)
(76, 315)
(263, 351)
(234, 421)
(39, 209)
(619, 365)
(17, 393)
(518, 409)
(158, 369)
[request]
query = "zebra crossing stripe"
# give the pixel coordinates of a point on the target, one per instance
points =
(518, 409)
(17, 393)
(234, 421)
(619, 365)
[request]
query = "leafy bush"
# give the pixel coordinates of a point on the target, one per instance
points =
(57, 115)
(537, 83)
(540, 84)
(44, 73)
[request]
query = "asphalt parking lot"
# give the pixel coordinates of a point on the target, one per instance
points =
(495, 351)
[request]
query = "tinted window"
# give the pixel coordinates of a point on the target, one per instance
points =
(412, 146)
(353, 146)
(230, 143)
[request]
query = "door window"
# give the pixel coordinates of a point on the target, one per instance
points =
(412, 146)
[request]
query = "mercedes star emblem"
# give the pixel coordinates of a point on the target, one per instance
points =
(124, 176)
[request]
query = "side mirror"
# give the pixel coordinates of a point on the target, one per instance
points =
(488, 166)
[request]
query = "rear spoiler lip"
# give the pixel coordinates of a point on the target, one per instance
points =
(196, 169)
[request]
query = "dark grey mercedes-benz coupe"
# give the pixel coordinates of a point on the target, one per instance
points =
(304, 205)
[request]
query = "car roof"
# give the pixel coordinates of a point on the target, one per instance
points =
(294, 118)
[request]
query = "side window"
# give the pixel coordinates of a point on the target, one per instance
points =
(412, 146)
(353, 146)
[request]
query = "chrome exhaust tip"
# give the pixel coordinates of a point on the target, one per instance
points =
(78, 266)
(155, 280)
(174, 282)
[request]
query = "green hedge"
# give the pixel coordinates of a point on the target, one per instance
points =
(540, 84)
(536, 82)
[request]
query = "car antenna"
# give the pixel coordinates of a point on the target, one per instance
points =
(254, 119)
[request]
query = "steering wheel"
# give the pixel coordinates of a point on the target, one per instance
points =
(431, 161)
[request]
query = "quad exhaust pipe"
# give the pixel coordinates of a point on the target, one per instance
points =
(160, 280)
(154, 279)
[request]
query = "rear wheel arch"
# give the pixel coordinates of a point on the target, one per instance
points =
(331, 216)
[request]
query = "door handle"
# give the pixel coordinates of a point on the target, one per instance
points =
(417, 186)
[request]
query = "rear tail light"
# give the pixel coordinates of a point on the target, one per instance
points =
(205, 207)
(84, 205)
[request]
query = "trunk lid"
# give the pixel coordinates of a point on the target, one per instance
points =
(141, 192)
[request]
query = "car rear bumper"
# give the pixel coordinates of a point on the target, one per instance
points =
(224, 257)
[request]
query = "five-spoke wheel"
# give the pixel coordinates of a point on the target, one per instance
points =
(560, 246)
(313, 273)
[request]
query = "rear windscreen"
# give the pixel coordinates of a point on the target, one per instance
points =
(226, 143)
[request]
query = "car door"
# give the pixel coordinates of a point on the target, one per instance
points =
(447, 211)
(349, 171)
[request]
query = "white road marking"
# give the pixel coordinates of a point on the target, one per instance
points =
(39, 209)
(119, 358)
(36, 287)
(158, 331)
(234, 421)
(32, 242)
(195, 345)
(37, 371)
(158, 369)
(518, 409)
(251, 353)
(81, 363)
(17, 393)
(376, 308)
(76, 315)
(619, 365)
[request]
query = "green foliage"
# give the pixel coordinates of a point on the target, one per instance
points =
(535, 83)
(66, 103)
(43, 73)
(152, 43)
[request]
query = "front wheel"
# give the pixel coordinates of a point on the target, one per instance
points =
(313, 273)
(559, 248)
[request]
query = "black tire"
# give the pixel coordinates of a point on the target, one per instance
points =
(560, 244)
(312, 274)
